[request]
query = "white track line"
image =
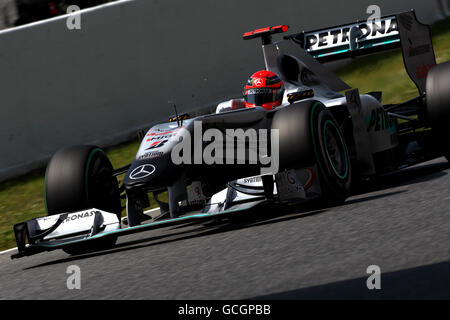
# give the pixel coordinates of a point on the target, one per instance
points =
(6, 251)
(12, 249)
(151, 210)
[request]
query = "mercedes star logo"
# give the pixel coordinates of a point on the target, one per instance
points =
(142, 171)
(258, 82)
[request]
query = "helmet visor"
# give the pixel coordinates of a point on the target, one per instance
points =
(260, 96)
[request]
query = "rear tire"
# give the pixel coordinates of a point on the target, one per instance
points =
(79, 178)
(309, 134)
(438, 105)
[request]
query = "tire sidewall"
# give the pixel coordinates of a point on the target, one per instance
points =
(102, 189)
(438, 105)
(335, 183)
(79, 178)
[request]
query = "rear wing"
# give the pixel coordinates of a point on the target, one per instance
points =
(351, 39)
(401, 30)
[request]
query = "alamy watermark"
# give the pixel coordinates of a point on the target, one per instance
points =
(234, 146)
(74, 279)
(375, 12)
(73, 21)
(374, 280)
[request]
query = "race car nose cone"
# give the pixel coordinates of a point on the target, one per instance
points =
(151, 175)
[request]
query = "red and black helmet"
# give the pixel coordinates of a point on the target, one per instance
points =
(263, 89)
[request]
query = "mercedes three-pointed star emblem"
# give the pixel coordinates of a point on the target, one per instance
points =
(142, 171)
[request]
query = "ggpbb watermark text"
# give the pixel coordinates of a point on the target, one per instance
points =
(227, 309)
(234, 146)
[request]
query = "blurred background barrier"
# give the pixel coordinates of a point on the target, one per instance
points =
(102, 83)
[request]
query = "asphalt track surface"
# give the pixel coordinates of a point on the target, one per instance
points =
(402, 224)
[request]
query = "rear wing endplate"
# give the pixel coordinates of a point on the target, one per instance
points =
(417, 48)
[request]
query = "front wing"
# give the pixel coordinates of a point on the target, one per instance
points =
(57, 231)
(103, 225)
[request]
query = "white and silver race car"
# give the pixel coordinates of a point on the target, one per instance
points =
(314, 145)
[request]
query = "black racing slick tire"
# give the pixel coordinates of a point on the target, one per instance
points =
(308, 135)
(438, 104)
(79, 178)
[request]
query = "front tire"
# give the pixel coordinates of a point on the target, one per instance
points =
(308, 135)
(331, 154)
(79, 178)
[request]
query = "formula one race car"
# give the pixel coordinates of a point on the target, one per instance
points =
(313, 145)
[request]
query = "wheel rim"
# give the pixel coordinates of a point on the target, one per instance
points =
(335, 149)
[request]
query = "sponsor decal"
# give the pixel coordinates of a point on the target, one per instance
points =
(142, 171)
(161, 130)
(289, 186)
(379, 120)
(159, 138)
(195, 193)
(258, 82)
(45, 219)
(159, 134)
(252, 180)
(157, 144)
(376, 29)
(259, 90)
(150, 155)
(80, 215)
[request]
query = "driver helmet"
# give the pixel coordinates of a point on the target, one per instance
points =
(263, 89)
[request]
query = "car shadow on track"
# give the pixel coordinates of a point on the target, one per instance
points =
(424, 282)
(262, 216)
(404, 177)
